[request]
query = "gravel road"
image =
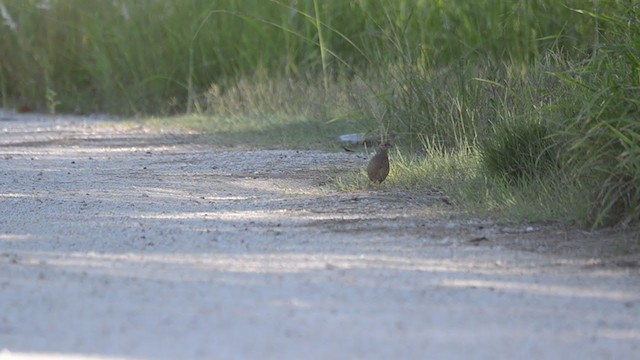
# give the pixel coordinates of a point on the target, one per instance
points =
(127, 242)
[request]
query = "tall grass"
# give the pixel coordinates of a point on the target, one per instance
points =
(154, 56)
(602, 120)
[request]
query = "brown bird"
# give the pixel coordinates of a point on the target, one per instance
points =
(378, 167)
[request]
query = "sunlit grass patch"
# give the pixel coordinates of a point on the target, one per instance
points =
(253, 131)
(460, 176)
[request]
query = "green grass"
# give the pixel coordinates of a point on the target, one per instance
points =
(280, 112)
(462, 177)
(156, 56)
(527, 110)
(519, 152)
(603, 122)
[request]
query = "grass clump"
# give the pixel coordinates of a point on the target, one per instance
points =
(519, 152)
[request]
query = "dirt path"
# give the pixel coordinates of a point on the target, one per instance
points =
(130, 243)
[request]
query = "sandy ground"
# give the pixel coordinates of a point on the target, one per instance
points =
(139, 244)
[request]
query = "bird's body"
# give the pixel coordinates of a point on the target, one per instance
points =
(378, 167)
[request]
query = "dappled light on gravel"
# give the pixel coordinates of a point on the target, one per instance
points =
(129, 243)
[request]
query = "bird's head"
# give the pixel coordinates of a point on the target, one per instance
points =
(385, 146)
